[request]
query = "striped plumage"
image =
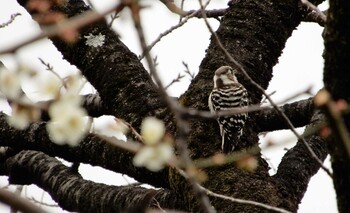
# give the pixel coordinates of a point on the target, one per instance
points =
(228, 93)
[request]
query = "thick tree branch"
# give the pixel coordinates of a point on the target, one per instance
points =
(94, 105)
(298, 166)
(299, 113)
(91, 150)
(315, 17)
(31, 167)
(116, 73)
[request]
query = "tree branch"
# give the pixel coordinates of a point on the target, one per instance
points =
(298, 166)
(94, 105)
(48, 173)
(116, 73)
(337, 80)
(299, 113)
(91, 150)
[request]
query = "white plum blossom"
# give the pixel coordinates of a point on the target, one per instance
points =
(155, 153)
(95, 40)
(10, 84)
(155, 157)
(48, 85)
(152, 130)
(68, 122)
(74, 84)
(22, 116)
(110, 126)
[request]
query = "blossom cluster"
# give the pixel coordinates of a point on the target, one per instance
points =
(157, 151)
(68, 120)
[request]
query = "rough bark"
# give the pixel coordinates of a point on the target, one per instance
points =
(297, 165)
(299, 113)
(124, 85)
(73, 193)
(337, 81)
(254, 32)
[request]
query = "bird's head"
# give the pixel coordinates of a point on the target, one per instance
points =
(224, 76)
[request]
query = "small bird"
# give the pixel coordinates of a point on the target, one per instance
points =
(227, 94)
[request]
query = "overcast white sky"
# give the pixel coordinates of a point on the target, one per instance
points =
(300, 67)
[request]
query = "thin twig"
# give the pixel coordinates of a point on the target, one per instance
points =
(21, 204)
(75, 22)
(221, 159)
(41, 203)
(12, 18)
(113, 17)
(187, 71)
(181, 124)
(241, 68)
(177, 79)
(194, 113)
(130, 146)
(132, 129)
(243, 201)
(50, 69)
(171, 29)
(236, 200)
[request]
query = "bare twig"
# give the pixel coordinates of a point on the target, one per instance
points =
(132, 129)
(194, 113)
(187, 71)
(177, 79)
(42, 203)
(241, 68)
(50, 69)
(18, 202)
(75, 22)
(306, 91)
(243, 201)
(12, 18)
(149, 47)
(113, 17)
(181, 124)
(130, 146)
(264, 100)
(221, 159)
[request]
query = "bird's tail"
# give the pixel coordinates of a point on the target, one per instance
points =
(227, 144)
